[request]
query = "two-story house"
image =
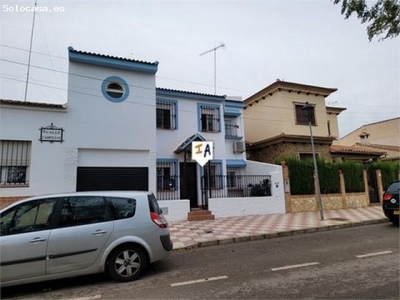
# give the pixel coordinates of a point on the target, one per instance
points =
(119, 132)
(184, 117)
(277, 125)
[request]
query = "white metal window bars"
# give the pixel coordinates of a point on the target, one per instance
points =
(15, 159)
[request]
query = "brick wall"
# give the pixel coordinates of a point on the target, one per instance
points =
(5, 201)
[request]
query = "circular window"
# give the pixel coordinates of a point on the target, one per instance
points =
(115, 89)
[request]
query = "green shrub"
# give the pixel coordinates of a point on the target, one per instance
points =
(301, 176)
(389, 171)
(261, 189)
(328, 174)
(353, 177)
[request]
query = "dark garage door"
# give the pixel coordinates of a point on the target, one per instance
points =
(121, 179)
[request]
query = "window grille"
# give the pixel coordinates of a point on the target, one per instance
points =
(302, 115)
(166, 176)
(15, 159)
(210, 121)
(231, 127)
(166, 115)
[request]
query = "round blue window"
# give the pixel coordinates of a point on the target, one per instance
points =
(115, 89)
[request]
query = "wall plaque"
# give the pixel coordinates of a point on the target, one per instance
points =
(52, 134)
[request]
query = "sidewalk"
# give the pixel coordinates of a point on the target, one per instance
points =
(186, 235)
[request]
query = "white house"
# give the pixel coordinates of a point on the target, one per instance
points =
(119, 132)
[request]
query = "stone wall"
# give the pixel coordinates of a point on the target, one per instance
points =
(269, 154)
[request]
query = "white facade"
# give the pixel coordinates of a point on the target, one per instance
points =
(119, 131)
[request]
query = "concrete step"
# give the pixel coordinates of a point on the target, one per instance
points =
(200, 215)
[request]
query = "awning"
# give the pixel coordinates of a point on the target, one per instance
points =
(188, 142)
(230, 112)
(235, 163)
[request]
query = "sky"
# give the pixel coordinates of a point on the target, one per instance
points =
(302, 41)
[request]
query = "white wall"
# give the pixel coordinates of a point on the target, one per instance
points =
(233, 207)
(175, 210)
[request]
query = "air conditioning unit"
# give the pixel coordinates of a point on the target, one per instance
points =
(239, 147)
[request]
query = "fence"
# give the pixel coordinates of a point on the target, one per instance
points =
(218, 186)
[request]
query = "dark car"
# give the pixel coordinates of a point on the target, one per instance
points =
(390, 203)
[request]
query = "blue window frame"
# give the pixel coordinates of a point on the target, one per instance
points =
(208, 116)
(167, 114)
(115, 89)
(167, 174)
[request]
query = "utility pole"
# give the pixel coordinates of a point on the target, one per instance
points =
(30, 52)
(308, 107)
(215, 64)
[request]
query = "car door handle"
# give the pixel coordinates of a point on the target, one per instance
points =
(37, 240)
(99, 232)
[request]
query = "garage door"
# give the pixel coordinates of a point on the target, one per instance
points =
(103, 179)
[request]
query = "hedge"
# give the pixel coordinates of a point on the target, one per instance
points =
(389, 171)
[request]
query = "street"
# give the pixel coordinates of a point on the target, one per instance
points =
(352, 263)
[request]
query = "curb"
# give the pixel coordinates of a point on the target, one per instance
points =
(278, 234)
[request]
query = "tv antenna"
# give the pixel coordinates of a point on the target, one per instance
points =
(215, 63)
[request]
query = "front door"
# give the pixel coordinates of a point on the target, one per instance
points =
(188, 183)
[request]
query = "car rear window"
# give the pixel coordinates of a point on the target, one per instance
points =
(121, 208)
(394, 187)
(154, 205)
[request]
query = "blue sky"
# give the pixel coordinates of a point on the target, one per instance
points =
(303, 41)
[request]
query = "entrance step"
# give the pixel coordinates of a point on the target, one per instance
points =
(200, 215)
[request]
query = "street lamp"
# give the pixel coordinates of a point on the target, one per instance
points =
(308, 107)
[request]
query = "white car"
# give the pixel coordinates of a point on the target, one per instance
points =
(67, 235)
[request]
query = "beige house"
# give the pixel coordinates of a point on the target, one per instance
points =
(277, 126)
(383, 137)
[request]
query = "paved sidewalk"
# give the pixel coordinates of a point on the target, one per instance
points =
(187, 235)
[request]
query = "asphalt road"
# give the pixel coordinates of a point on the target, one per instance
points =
(352, 263)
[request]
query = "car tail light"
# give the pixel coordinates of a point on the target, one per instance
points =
(159, 220)
(387, 197)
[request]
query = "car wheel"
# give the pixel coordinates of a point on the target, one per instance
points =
(394, 220)
(127, 263)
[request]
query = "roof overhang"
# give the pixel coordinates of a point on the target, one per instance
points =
(188, 142)
(284, 138)
(290, 87)
(33, 105)
(163, 92)
(111, 61)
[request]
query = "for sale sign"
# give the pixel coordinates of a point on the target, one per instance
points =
(202, 152)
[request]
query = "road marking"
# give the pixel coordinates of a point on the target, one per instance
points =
(374, 254)
(87, 298)
(198, 281)
(295, 266)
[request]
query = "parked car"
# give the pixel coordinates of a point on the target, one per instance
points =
(390, 203)
(67, 235)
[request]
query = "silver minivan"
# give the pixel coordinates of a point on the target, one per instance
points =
(73, 234)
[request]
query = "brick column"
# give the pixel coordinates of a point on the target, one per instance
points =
(286, 183)
(365, 176)
(380, 184)
(343, 189)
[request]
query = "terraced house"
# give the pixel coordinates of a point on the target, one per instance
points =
(117, 131)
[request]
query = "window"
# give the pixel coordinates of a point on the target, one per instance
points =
(231, 177)
(166, 175)
(307, 156)
(122, 208)
(82, 210)
(213, 175)
(115, 89)
(15, 159)
(28, 217)
(302, 115)
(329, 128)
(231, 127)
(166, 114)
(209, 120)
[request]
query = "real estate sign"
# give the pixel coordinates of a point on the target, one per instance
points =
(202, 152)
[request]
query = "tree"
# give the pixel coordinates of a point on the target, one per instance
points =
(383, 17)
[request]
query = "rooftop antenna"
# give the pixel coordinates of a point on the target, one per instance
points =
(215, 64)
(30, 52)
